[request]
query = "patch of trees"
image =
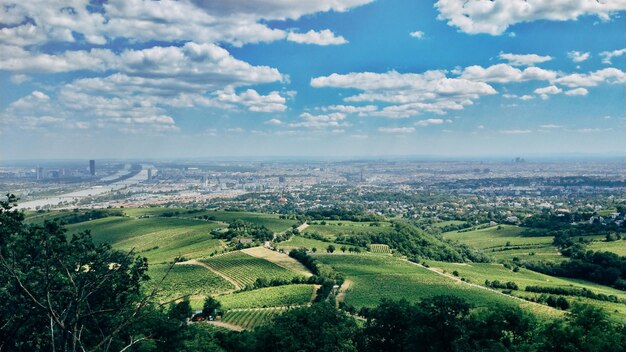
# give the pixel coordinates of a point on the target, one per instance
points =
(509, 285)
(339, 213)
(601, 267)
(239, 228)
(416, 244)
(440, 323)
(78, 216)
(323, 275)
(571, 291)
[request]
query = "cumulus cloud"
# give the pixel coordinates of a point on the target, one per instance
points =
(254, 101)
(428, 122)
(577, 56)
(577, 91)
(609, 75)
(607, 56)
(409, 93)
(525, 59)
(503, 73)
(417, 34)
(334, 119)
(545, 92)
(494, 17)
(351, 109)
(396, 130)
(236, 22)
(274, 122)
(324, 37)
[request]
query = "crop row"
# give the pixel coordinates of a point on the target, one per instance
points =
(245, 269)
(379, 248)
(251, 318)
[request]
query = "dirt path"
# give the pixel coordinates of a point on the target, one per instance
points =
(228, 326)
(342, 292)
(198, 263)
(450, 276)
(302, 227)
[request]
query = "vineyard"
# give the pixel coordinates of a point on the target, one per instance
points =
(379, 248)
(246, 269)
(251, 318)
(186, 280)
(288, 295)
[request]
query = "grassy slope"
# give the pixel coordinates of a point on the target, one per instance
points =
(333, 228)
(186, 280)
(617, 247)
(298, 242)
(245, 269)
(494, 243)
(379, 276)
(173, 237)
(269, 297)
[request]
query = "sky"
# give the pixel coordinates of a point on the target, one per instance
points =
(327, 78)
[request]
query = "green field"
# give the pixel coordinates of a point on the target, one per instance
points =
(289, 295)
(159, 239)
(617, 247)
(379, 248)
(251, 318)
(447, 223)
(334, 228)
(184, 280)
(245, 269)
(375, 277)
(507, 243)
(300, 242)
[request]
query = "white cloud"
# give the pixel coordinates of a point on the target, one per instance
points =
(274, 122)
(255, 102)
(323, 37)
(410, 93)
(20, 78)
(525, 59)
(551, 126)
(334, 119)
(578, 56)
(545, 92)
(494, 17)
(593, 130)
(503, 73)
(609, 75)
(607, 56)
(428, 122)
(396, 130)
(577, 91)
(417, 34)
(351, 109)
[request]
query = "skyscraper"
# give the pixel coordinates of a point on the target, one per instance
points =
(92, 167)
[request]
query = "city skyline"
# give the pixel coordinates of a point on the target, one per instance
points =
(343, 78)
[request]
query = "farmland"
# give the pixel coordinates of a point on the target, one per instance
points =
(375, 277)
(617, 247)
(302, 242)
(279, 296)
(251, 318)
(280, 259)
(184, 280)
(159, 239)
(379, 248)
(506, 242)
(246, 269)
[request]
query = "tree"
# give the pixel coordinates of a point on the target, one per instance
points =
(210, 307)
(330, 248)
(61, 293)
(314, 249)
(344, 248)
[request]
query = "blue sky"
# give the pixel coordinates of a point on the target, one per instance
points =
(344, 78)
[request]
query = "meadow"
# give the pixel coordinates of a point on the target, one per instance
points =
(617, 247)
(334, 228)
(375, 277)
(302, 242)
(506, 242)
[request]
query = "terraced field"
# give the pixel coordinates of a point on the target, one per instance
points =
(375, 277)
(506, 242)
(251, 318)
(161, 240)
(245, 269)
(186, 280)
(279, 296)
(379, 248)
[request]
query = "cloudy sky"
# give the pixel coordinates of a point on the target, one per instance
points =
(203, 78)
